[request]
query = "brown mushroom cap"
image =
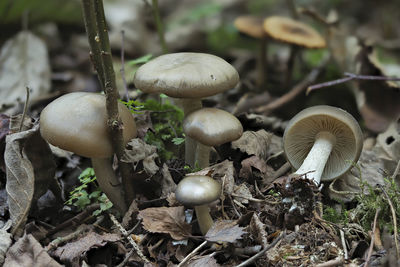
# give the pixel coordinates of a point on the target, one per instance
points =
(77, 122)
(212, 126)
(293, 32)
(197, 190)
(250, 25)
(186, 75)
(300, 134)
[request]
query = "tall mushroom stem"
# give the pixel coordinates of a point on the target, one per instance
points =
(202, 155)
(318, 156)
(188, 106)
(204, 218)
(109, 183)
(262, 63)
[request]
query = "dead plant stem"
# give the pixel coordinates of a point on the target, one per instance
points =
(191, 254)
(371, 246)
(96, 28)
(394, 218)
(129, 237)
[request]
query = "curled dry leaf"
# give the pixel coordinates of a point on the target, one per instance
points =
(200, 261)
(257, 230)
(137, 150)
(166, 220)
(30, 169)
(25, 62)
(254, 143)
(371, 163)
(72, 252)
(27, 252)
(254, 167)
(377, 100)
(168, 185)
(225, 231)
(223, 171)
(243, 191)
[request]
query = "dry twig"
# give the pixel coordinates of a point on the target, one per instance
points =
(394, 218)
(296, 90)
(129, 237)
(191, 254)
(371, 246)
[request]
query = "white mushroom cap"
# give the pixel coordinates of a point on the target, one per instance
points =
(302, 130)
(77, 122)
(212, 126)
(186, 75)
(197, 190)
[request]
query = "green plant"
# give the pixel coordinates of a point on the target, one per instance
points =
(332, 215)
(371, 198)
(166, 134)
(80, 197)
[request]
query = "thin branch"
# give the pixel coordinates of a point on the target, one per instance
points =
(122, 70)
(96, 29)
(346, 255)
(159, 25)
(296, 90)
(349, 77)
(25, 109)
(394, 218)
(371, 246)
(129, 237)
(191, 254)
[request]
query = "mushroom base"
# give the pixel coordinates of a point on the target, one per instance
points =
(109, 183)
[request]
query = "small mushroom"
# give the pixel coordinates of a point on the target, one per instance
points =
(294, 33)
(77, 122)
(253, 26)
(211, 127)
(199, 191)
(190, 77)
(322, 142)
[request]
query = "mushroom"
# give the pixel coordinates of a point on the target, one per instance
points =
(77, 122)
(190, 77)
(199, 191)
(295, 33)
(253, 26)
(211, 127)
(322, 142)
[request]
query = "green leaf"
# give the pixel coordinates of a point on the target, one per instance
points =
(178, 140)
(140, 60)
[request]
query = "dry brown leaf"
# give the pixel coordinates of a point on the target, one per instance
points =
(201, 261)
(167, 183)
(28, 252)
(30, 169)
(5, 241)
(223, 172)
(254, 143)
(224, 231)
(137, 150)
(72, 252)
(255, 168)
(166, 220)
(257, 230)
(25, 62)
(378, 101)
(243, 191)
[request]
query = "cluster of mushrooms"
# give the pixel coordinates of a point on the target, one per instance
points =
(320, 142)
